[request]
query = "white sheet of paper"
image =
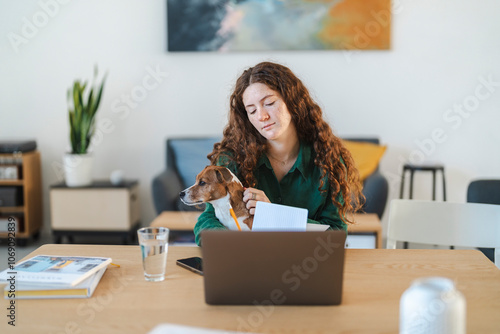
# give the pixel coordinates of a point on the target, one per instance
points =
(316, 227)
(277, 217)
(181, 329)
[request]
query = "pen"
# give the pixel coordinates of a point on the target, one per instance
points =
(231, 211)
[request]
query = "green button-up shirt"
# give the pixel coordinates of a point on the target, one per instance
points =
(298, 188)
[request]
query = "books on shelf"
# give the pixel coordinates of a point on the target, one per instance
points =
(23, 290)
(51, 269)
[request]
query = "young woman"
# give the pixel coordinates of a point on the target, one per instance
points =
(283, 151)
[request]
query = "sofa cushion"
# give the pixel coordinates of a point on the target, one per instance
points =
(191, 156)
(366, 156)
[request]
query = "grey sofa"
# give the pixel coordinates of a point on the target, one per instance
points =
(186, 157)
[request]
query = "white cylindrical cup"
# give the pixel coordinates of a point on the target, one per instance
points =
(154, 249)
(116, 177)
(432, 305)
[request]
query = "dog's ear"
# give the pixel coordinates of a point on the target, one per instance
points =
(223, 175)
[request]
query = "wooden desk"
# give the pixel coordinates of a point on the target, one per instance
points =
(373, 283)
(366, 223)
(176, 220)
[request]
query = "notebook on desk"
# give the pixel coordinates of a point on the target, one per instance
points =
(279, 268)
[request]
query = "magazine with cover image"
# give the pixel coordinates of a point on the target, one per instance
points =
(85, 289)
(66, 270)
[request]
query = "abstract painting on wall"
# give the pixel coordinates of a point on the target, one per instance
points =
(264, 25)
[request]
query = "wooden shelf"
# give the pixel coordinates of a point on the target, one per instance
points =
(31, 183)
(11, 182)
(19, 235)
(11, 209)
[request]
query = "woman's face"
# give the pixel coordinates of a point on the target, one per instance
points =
(267, 112)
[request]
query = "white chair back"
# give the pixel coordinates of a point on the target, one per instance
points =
(445, 223)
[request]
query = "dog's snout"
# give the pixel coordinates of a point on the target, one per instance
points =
(182, 194)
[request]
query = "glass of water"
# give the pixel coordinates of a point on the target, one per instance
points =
(154, 248)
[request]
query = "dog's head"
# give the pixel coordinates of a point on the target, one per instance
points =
(212, 183)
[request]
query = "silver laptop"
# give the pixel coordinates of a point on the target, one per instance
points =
(282, 268)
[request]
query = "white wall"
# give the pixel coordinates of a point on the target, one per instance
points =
(440, 49)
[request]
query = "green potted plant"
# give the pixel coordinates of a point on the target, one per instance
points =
(83, 103)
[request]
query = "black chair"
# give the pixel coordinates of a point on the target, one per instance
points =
(487, 192)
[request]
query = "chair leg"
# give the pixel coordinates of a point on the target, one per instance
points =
(411, 184)
(434, 185)
(401, 191)
(391, 244)
(444, 185)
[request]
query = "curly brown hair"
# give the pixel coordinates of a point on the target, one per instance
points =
(244, 145)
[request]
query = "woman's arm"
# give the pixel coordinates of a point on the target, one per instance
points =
(329, 214)
(206, 220)
(334, 223)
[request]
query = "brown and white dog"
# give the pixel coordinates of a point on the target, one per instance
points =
(221, 188)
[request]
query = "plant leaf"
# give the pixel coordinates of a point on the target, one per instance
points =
(99, 95)
(82, 113)
(90, 100)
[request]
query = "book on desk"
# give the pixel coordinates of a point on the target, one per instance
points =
(53, 269)
(51, 276)
(23, 290)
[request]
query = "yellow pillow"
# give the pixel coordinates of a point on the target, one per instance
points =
(366, 156)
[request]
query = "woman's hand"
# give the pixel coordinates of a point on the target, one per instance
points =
(251, 196)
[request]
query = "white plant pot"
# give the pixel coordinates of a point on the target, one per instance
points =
(78, 169)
